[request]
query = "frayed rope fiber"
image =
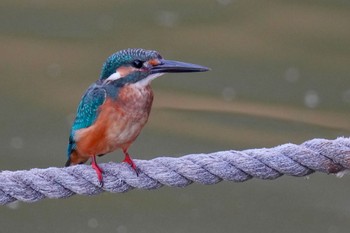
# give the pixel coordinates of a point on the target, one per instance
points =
(328, 156)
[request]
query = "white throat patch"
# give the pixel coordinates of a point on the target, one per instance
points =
(146, 81)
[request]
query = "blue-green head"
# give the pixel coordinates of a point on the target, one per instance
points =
(141, 66)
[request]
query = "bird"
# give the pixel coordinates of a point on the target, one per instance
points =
(115, 108)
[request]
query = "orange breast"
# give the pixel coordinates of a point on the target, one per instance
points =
(118, 124)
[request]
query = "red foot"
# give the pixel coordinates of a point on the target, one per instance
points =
(98, 170)
(129, 161)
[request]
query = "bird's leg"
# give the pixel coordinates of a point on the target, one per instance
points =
(98, 170)
(129, 161)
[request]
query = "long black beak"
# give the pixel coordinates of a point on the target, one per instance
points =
(169, 66)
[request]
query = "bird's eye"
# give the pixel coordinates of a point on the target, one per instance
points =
(137, 64)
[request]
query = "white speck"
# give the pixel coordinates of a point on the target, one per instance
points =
(105, 22)
(311, 99)
(92, 223)
(16, 143)
(54, 70)
(228, 94)
(224, 2)
(292, 75)
(13, 205)
(167, 19)
(307, 177)
(122, 229)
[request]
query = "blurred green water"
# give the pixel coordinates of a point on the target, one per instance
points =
(288, 54)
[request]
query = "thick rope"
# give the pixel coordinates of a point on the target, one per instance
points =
(328, 156)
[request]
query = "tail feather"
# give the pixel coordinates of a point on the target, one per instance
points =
(75, 158)
(72, 155)
(68, 162)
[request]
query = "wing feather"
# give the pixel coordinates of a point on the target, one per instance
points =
(87, 112)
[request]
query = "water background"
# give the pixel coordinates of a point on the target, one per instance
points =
(280, 73)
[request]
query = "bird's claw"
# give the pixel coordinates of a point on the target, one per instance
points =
(99, 171)
(129, 161)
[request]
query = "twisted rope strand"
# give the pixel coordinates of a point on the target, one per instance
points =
(327, 156)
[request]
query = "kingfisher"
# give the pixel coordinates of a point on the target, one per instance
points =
(114, 109)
